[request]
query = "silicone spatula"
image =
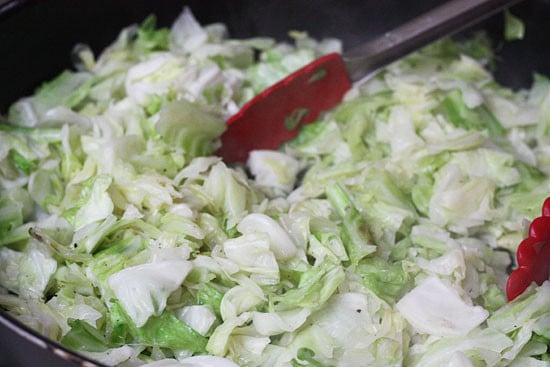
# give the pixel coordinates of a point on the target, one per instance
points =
(275, 115)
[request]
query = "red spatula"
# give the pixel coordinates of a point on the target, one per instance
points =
(275, 115)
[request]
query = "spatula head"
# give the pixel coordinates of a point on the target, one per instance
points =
(276, 115)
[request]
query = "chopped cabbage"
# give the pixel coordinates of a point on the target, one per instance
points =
(378, 236)
(436, 309)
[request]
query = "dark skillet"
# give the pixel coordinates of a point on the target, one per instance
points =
(36, 38)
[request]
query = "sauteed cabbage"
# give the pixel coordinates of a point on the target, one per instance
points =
(380, 236)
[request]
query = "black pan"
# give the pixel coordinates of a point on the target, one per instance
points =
(36, 39)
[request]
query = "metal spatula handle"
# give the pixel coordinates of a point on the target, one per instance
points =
(444, 20)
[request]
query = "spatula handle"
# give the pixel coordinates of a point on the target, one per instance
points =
(444, 20)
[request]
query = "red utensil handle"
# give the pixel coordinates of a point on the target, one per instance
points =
(533, 256)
